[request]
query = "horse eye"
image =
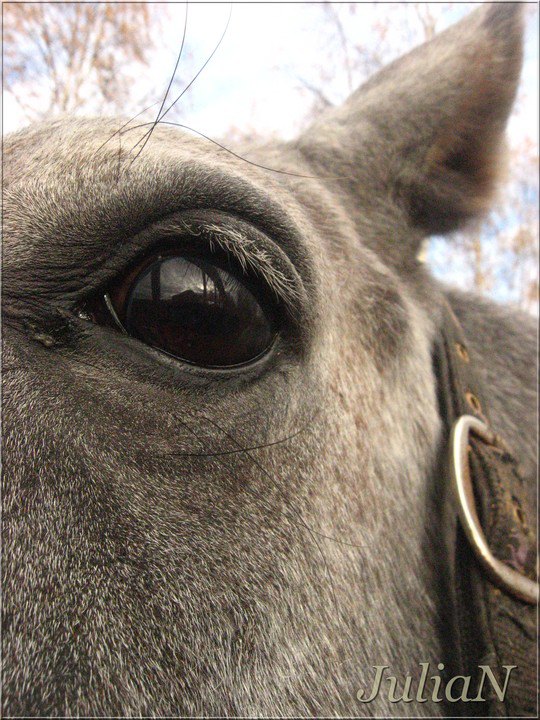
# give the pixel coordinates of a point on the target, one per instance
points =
(194, 310)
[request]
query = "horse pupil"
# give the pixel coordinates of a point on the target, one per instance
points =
(197, 312)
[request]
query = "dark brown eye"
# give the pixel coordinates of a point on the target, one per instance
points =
(194, 310)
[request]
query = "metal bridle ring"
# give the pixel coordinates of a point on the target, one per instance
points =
(501, 574)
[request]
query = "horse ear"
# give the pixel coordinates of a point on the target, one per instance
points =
(425, 133)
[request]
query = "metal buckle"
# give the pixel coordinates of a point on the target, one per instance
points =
(501, 574)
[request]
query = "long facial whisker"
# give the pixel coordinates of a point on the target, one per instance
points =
(159, 115)
(314, 534)
(249, 490)
(119, 163)
(160, 103)
(246, 451)
(269, 477)
(162, 114)
(202, 67)
(122, 128)
(240, 157)
(251, 447)
(296, 512)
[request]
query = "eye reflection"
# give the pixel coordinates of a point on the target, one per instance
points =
(197, 312)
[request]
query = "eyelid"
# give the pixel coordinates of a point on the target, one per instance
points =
(252, 250)
(204, 231)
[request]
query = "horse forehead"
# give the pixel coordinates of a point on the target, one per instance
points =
(91, 146)
(78, 167)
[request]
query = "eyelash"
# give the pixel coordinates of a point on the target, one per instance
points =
(193, 234)
(184, 244)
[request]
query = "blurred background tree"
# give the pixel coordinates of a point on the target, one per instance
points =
(387, 33)
(104, 58)
(68, 57)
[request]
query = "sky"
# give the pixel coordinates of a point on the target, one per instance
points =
(254, 79)
(254, 82)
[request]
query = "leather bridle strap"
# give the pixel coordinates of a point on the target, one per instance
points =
(491, 538)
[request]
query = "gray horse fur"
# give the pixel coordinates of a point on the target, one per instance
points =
(155, 565)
